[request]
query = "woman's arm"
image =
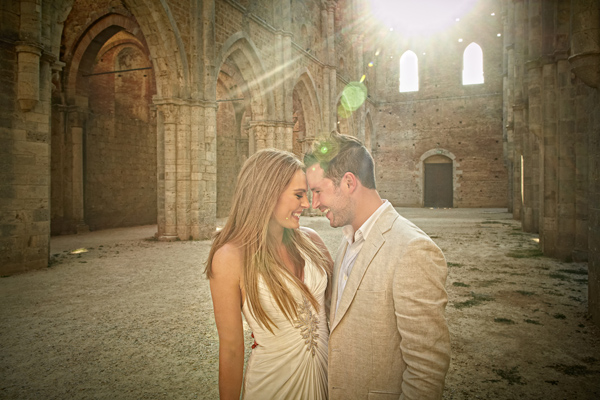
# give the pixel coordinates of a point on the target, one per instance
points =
(225, 288)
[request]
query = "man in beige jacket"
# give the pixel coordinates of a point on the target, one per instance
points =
(388, 335)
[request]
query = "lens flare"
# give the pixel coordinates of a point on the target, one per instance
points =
(353, 96)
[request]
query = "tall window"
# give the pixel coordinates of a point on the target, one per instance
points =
(409, 72)
(472, 65)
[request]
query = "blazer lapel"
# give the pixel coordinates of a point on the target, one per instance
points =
(334, 278)
(374, 242)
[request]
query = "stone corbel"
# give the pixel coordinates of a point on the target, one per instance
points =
(28, 78)
(586, 66)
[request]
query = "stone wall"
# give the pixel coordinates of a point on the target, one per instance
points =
(550, 117)
(443, 116)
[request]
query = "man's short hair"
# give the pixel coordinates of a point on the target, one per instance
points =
(338, 154)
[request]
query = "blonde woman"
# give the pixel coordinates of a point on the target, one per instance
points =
(264, 265)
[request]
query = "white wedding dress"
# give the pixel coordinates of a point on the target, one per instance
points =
(290, 363)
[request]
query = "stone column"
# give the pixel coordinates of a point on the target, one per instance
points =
(518, 107)
(29, 51)
(549, 159)
(186, 168)
(531, 159)
(585, 43)
(74, 202)
(288, 90)
(566, 214)
(332, 62)
(585, 61)
(327, 100)
(360, 71)
(262, 135)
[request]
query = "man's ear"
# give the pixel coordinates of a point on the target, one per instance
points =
(349, 182)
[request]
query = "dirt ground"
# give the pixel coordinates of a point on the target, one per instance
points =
(131, 318)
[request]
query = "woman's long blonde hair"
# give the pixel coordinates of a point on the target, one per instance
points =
(262, 179)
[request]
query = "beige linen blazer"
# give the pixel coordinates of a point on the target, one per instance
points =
(389, 338)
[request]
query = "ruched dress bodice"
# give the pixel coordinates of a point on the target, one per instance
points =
(291, 362)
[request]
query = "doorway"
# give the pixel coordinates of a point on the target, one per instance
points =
(439, 191)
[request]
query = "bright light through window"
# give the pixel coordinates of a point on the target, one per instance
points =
(472, 65)
(413, 17)
(409, 72)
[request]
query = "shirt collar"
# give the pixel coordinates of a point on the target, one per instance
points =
(364, 230)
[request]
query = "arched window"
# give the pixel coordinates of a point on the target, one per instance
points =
(409, 72)
(472, 65)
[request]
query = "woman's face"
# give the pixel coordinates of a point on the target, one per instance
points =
(291, 203)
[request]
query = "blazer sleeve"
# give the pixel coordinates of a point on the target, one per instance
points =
(420, 299)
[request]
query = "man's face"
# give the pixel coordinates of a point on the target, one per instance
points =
(329, 198)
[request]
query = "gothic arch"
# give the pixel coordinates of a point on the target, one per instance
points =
(306, 112)
(166, 47)
(82, 56)
(242, 51)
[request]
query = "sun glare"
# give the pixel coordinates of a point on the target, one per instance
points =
(424, 17)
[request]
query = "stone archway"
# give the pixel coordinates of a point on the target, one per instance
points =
(240, 51)
(103, 156)
(243, 109)
(307, 121)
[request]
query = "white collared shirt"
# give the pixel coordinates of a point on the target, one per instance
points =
(356, 240)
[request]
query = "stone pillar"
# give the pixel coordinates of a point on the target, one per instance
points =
(262, 135)
(360, 71)
(518, 107)
(331, 122)
(186, 168)
(288, 90)
(566, 200)
(531, 159)
(549, 160)
(73, 194)
(29, 51)
(585, 43)
(594, 209)
(507, 96)
(28, 78)
(327, 98)
(585, 62)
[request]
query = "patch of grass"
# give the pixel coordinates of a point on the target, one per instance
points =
(584, 280)
(559, 316)
(577, 299)
(590, 360)
(532, 321)
(489, 283)
(459, 284)
(572, 370)
(511, 375)
(559, 276)
(454, 265)
(475, 300)
(574, 271)
(525, 293)
(525, 253)
(552, 382)
(504, 321)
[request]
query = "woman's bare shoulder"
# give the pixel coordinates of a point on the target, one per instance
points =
(228, 259)
(312, 234)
